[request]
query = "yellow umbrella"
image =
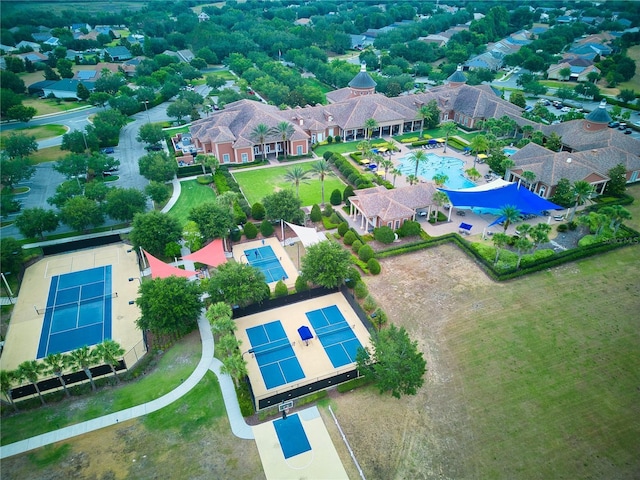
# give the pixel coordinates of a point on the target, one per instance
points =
(483, 156)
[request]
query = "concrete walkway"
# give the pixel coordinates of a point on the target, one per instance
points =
(207, 362)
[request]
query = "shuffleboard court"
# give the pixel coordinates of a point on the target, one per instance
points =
(335, 334)
(78, 311)
(274, 354)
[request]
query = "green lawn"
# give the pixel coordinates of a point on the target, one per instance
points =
(346, 147)
(257, 184)
(39, 132)
(551, 372)
(174, 366)
(49, 154)
(191, 194)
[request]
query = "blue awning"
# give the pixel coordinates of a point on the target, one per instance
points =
(521, 198)
(305, 333)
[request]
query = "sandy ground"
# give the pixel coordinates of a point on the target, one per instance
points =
(423, 435)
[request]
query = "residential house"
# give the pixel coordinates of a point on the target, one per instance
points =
(184, 56)
(65, 88)
(203, 17)
(7, 48)
(118, 54)
(579, 67)
(25, 44)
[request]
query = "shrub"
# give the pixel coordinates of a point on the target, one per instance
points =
(384, 234)
(572, 225)
(336, 197)
(379, 318)
(343, 228)
(353, 277)
(204, 179)
(172, 249)
(409, 229)
(327, 155)
(369, 304)
(329, 139)
(349, 238)
(360, 290)
(353, 178)
(235, 234)
(366, 253)
(266, 229)
(328, 210)
(338, 138)
(250, 231)
(356, 246)
(563, 227)
(347, 192)
(374, 266)
(353, 384)
(301, 284)
(316, 213)
(258, 211)
(281, 290)
(335, 219)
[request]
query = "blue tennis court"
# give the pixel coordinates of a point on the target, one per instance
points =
(335, 334)
(78, 311)
(276, 359)
(291, 435)
(266, 261)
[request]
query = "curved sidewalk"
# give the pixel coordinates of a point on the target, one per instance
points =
(207, 362)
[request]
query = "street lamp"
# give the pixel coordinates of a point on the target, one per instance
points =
(146, 110)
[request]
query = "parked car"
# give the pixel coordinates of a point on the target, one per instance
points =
(628, 131)
(107, 150)
(614, 124)
(622, 126)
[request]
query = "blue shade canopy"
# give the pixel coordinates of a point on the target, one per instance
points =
(521, 198)
(466, 226)
(305, 333)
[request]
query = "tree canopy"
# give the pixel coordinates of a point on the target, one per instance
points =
(283, 205)
(238, 284)
(169, 306)
(213, 220)
(153, 231)
(395, 363)
(326, 263)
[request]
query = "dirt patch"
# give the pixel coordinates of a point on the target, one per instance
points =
(423, 436)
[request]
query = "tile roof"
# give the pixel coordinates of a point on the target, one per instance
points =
(402, 202)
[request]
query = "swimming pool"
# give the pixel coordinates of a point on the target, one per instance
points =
(508, 151)
(435, 164)
(265, 260)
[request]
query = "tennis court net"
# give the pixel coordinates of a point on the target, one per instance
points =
(271, 347)
(329, 329)
(77, 303)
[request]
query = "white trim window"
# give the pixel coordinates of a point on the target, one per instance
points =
(226, 158)
(299, 150)
(245, 158)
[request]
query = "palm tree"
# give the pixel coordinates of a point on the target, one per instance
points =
(581, 190)
(499, 241)
(396, 172)
(284, 130)
(31, 370)
(472, 173)
(228, 344)
(440, 179)
(448, 128)
(387, 165)
(417, 156)
(425, 113)
(297, 175)
(321, 169)
(259, 135)
(530, 177)
(83, 358)
(510, 214)
(235, 366)
(412, 179)
(617, 214)
(7, 380)
(527, 130)
(57, 363)
(439, 198)
(206, 160)
(369, 125)
(110, 352)
(523, 245)
(539, 234)
(478, 144)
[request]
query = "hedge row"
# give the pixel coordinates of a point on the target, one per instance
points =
(349, 171)
(631, 237)
(225, 182)
(189, 171)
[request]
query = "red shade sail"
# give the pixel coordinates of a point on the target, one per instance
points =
(212, 254)
(159, 269)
